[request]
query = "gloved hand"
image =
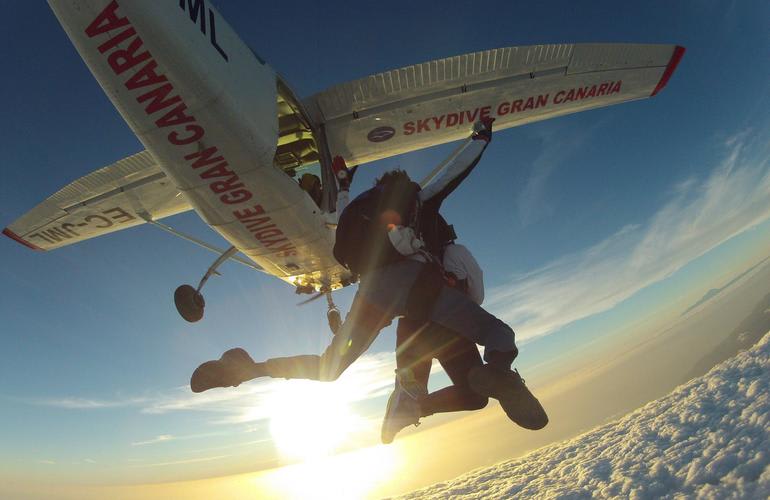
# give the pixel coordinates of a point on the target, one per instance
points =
(482, 129)
(342, 172)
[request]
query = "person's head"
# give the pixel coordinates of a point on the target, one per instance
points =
(399, 192)
(312, 185)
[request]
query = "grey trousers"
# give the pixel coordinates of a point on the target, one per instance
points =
(382, 296)
(387, 288)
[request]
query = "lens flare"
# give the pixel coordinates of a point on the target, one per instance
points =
(310, 420)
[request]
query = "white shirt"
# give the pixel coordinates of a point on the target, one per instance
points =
(459, 261)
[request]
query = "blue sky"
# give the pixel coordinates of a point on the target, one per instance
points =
(605, 216)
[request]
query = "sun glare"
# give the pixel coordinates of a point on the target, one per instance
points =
(353, 475)
(311, 420)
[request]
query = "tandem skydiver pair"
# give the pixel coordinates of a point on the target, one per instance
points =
(393, 237)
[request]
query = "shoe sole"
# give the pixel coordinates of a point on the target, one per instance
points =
(386, 438)
(204, 376)
(513, 399)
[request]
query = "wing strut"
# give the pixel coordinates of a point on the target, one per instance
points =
(201, 243)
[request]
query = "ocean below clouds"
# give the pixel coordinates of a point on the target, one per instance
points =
(710, 438)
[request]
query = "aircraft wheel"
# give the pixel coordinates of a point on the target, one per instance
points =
(189, 303)
(335, 320)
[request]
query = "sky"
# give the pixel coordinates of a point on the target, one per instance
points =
(591, 229)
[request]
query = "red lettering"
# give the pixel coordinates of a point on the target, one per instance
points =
(237, 196)
(204, 157)
(581, 93)
(504, 108)
(123, 59)
(145, 77)
(559, 97)
(258, 223)
(570, 95)
(422, 125)
(408, 128)
(248, 212)
(196, 133)
(106, 21)
(117, 40)
(438, 121)
(220, 170)
(452, 119)
(288, 246)
(159, 100)
(485, 111)
(175, 117)
(529, 104)
(602, 89)
(591, 91)
(267, 233)
(542, 100)
(472, 117)
(223, 186)
(615, 88)
(516, 106)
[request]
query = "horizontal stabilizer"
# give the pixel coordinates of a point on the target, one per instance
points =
(112, 198)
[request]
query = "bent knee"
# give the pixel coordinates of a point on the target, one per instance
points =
(480, 402)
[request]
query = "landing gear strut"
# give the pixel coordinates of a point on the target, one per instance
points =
(188, 300)
(333, 315)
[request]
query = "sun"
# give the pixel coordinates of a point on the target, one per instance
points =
(311, 420)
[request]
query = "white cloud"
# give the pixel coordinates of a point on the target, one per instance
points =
(73, 403)
(710, 438)
(699, 215)
(157, 439)
(187, 461)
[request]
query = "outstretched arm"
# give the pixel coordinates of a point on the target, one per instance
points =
(459, 166)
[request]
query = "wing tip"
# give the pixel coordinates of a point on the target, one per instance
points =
(672, 64)
(15, 237)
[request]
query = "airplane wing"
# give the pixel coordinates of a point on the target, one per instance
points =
(436, 102)
(115, 197)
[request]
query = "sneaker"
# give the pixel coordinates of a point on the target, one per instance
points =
(403, 407)
(508, 387)
(228, 371)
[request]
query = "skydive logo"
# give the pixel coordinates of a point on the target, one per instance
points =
(381, 134)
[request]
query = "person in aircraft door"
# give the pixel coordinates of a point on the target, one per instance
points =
(377, 238)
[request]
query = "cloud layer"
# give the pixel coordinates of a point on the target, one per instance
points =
(700, 214)
(710, 438)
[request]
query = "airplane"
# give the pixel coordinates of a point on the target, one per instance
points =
(227, 137)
